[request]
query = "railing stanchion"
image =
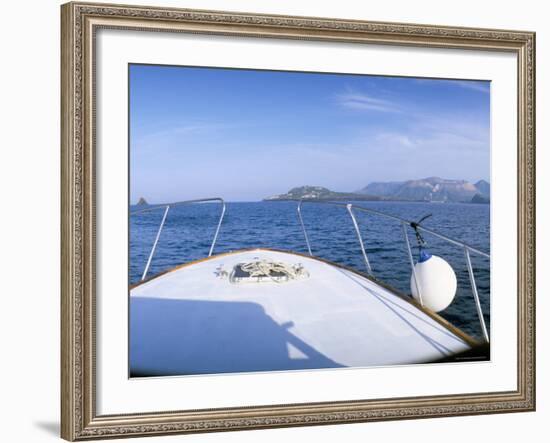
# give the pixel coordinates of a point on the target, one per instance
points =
(303, 227)
(476, 296)
(166, 207)
(411, 260)
(349, 206)
(155, 243)
(217, 230)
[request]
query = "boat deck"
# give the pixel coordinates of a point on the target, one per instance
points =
(192, 321)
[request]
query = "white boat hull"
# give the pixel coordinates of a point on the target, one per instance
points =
(191, 321)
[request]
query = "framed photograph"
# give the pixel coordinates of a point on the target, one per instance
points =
(283, 221)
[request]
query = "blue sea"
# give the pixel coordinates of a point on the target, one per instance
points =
(189, 230)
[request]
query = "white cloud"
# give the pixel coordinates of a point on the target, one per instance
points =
(183, 129)
(473, 85)
(178, 134)
(399, 139)
(360, 101)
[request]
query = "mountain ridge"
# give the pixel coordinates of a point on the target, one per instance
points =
(429, 189)
(435, 189)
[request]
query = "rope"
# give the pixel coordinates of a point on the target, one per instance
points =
(420, 240)
(265, 268)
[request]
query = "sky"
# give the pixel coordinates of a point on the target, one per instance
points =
(246, 134)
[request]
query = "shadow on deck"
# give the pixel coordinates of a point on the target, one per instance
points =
(179, 337)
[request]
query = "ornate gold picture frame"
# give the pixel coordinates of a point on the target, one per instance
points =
(80, 22)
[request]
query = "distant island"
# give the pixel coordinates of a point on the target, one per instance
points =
(478, 198)
(142, 202)
(431, 189)
(320, 193)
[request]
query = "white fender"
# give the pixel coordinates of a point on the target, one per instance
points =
(437, 282)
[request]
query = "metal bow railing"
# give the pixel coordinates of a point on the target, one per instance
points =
(404, 224)
(166, 207)
(350, 209)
